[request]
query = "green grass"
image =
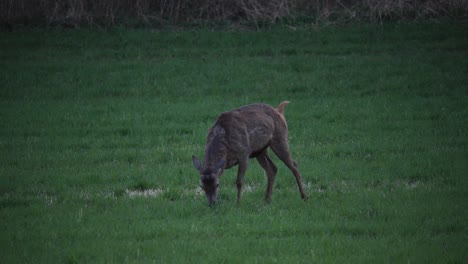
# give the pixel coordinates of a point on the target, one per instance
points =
(93, 119)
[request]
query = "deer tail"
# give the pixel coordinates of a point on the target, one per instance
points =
(281, 107)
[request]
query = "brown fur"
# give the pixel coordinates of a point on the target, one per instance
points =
(241, 134)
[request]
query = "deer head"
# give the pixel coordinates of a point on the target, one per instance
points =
(209, 179)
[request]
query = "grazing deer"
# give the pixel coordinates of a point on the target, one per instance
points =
(241, 134)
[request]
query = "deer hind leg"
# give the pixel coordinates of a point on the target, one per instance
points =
(270, 170)
(281, 149)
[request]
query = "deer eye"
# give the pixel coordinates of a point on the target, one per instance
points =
(217, 184)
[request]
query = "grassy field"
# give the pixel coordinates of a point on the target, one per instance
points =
(98, 129)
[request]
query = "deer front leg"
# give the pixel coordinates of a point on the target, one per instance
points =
(240, 177)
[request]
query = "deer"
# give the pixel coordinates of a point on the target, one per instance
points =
(244, 133)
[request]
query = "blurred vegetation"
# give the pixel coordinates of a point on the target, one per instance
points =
(250, 13)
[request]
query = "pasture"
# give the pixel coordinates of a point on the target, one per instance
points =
(98, 129)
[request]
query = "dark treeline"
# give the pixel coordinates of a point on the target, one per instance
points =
(75, 13)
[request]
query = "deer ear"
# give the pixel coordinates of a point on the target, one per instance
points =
(197, 164)
(219, 165)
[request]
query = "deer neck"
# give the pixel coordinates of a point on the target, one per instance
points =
(216, 149)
